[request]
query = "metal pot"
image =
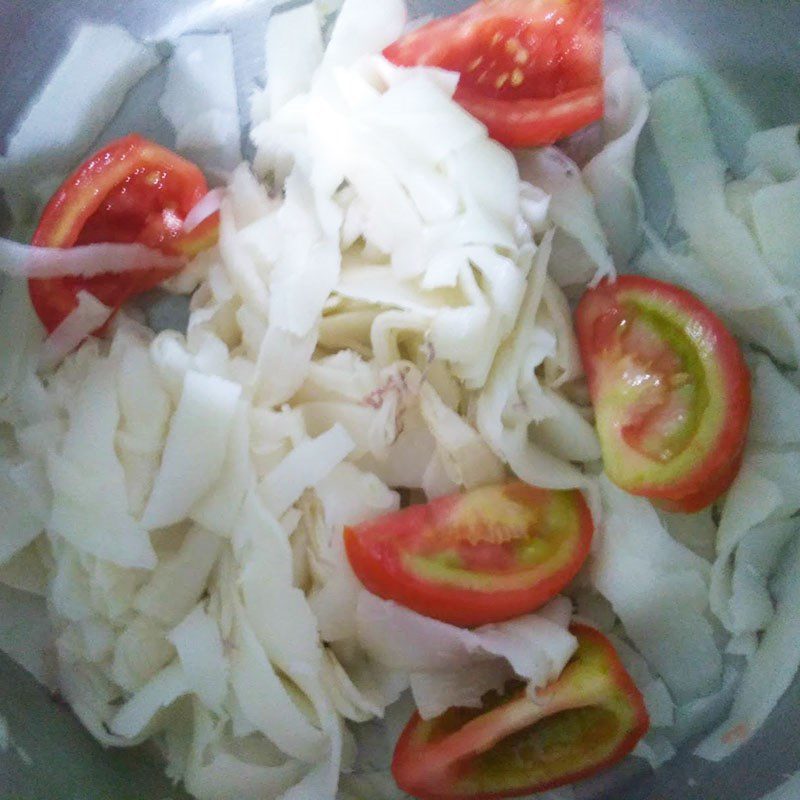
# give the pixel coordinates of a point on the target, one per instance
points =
(748, 55)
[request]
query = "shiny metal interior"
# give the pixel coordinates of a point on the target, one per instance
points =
(748, 54)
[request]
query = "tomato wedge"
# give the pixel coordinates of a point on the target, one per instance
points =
(670, 388)
(130, 191)
(486, 556)
(531, 70)
(515, 745)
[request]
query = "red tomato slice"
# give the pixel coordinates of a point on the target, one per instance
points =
(531, 70)
(670, 389)
(477, 558)
(130, 191)
(586, 721)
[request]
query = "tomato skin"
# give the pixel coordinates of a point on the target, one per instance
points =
(710, 490)
(202, 238)
(696, 478)
(130, 191)
(444, 763)
(382, 554)
(531, 70)
(535, 123)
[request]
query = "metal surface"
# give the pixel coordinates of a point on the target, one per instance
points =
(748, 53)
(51, 756)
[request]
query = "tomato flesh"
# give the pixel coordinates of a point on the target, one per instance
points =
(131, 191)
(515, 745)
(144, 208)
(531, 70)
(670, 389)
(472, 559)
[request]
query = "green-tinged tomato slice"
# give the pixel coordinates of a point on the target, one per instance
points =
(670, 389)
(476, 558)
(516, 745)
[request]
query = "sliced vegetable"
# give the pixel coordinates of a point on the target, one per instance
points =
(670, 388)
(517, 744)
(200, 101)
(486, 556)
(723, 243)
(659, 591)
(88, 261)
(531, 70)
(131, 191)
(80, 98)
(195, 448)
(89, 315)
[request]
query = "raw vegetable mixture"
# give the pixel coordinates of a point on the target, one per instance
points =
(426, 499)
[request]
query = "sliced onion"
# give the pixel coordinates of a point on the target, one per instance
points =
(294, 51)
(436, 692)
(179, 580)
(145, 410)
(572, 210)
(535, 646)
(139, 653)
(135, 717)
(83, 93)
(659, 589)
(208, 206)
(512, 398)
(763, 490)
(90, 502)
(87, 261)
(219, 508)
(216, 769)
(304, 467)
(195, 450)
(684, 138)
(19, 325)
(610, 174)
(307, 269)
(656, 749)
(776, 150)
(89, 315)
(20, 525)
(768, 675)
(776, 219)
(202, 656)
(776, 406)
(267, 702)
(364, 27)
(201, 103)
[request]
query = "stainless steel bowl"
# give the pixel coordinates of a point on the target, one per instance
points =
(748, 54)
